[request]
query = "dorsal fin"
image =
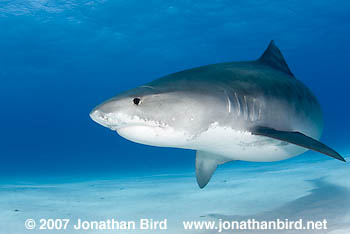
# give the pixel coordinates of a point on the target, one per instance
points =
(274, 58)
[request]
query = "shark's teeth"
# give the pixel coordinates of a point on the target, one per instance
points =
(122, 120)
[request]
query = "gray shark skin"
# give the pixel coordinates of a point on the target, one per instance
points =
(252, 111)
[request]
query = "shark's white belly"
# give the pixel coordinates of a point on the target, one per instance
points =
(225, 141)
(239, 145)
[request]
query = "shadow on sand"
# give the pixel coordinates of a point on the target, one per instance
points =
(325, 201)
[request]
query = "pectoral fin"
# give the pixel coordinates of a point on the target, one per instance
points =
(206, 164)
(299, 139)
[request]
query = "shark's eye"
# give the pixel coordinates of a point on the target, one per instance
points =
(137, 101)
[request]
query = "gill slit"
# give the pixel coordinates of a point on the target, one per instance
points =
(238, 104)
(228, 102)
(253, 115)
(245, 113)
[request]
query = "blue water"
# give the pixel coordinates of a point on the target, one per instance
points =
(61, 58)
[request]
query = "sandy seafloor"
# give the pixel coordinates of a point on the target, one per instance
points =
(311, 189)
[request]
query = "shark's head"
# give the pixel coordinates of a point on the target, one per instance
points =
(167, 114)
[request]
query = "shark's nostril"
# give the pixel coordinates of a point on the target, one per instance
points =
(96, 115)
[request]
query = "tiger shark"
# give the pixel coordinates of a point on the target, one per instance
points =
(251, 111)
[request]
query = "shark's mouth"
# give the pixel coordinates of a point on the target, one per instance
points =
(120, 121)
(124, 121)
(142, 130)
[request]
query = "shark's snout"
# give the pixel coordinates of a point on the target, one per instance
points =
(105, 113)
(100, 117)
(116, 113)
